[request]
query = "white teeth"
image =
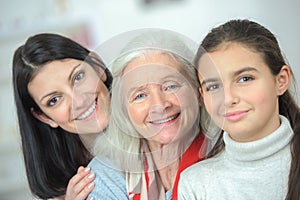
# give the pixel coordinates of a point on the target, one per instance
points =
(88, 112)
(164, 120)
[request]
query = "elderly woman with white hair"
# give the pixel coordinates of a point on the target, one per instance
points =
(157, 121)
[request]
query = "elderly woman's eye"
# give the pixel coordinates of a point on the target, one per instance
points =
(139, 96)
(170, 87)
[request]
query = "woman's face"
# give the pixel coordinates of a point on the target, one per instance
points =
(72, 96)
(160, 101)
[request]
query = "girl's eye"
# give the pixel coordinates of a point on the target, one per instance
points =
(212, 87)
(245, 78)
(78, 77)
(53, 101)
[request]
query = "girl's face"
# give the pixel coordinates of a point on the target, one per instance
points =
(160, 101)
(240, 92)
(71, 95)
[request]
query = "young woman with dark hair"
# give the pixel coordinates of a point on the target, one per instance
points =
(62, 97)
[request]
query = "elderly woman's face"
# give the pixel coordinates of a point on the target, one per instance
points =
(71, 95)
(160, 101)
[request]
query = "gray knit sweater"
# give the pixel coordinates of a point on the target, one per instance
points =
(254, 170)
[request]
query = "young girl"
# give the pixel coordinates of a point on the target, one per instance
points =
(62, 98)
(244, 82)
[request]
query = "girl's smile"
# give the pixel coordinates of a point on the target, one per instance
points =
(235, 116)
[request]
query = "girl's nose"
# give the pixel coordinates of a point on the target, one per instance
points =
(230, 96)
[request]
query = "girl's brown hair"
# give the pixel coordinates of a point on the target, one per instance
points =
(260, 39)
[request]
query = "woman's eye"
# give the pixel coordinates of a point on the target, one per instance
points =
(53, 101)
(245, 78)
(170, 88)
(140, 96)
(78, 77)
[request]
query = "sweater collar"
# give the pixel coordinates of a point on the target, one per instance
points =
(259, 149)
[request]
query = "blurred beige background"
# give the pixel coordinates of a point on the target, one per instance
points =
(92, 22)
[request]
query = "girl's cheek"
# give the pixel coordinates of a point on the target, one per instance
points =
(208, 104)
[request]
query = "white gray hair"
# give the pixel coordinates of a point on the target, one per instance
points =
(121, 142)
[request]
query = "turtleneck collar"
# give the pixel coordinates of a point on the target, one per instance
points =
(259, 149)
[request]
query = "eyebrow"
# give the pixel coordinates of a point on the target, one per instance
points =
(46, 96)
(69, 79)
(209, 80)
(236, 73)
(71, 73)
(134, 89)
(245, 69)
(171, 77)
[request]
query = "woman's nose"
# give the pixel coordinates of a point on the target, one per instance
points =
(160, 101)
(79, 100)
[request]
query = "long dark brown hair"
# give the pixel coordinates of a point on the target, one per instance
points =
(260, 39)
(51, 155)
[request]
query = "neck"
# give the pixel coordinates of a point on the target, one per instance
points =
(167, 157)
(168, 175)
(165, 154)
(88, 140)
(256, 150)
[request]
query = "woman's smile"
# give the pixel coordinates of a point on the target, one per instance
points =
(167, 120)
(91, 110)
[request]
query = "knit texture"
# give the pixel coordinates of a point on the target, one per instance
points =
(253, 170)
(110, 183)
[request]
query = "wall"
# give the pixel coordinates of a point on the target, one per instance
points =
(91, 22)
(194, 18)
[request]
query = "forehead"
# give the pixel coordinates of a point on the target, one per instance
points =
(152, 68)
(52, 75)
(153, 57)
(58, 67)
(228, 58)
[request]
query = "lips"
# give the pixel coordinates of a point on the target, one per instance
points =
(88, 112)
(235, 116)
(161, 121)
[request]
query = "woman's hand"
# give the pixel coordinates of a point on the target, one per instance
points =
(80, 185)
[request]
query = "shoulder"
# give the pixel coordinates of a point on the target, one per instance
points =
(105, 168)
(97, 163)
(201, 170)
(109, 182)
(195, 180)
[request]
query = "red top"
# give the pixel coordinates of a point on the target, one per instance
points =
(191, 156)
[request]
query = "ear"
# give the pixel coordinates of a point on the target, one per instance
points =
(45, 119)
(97, 59)
(283, 79)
